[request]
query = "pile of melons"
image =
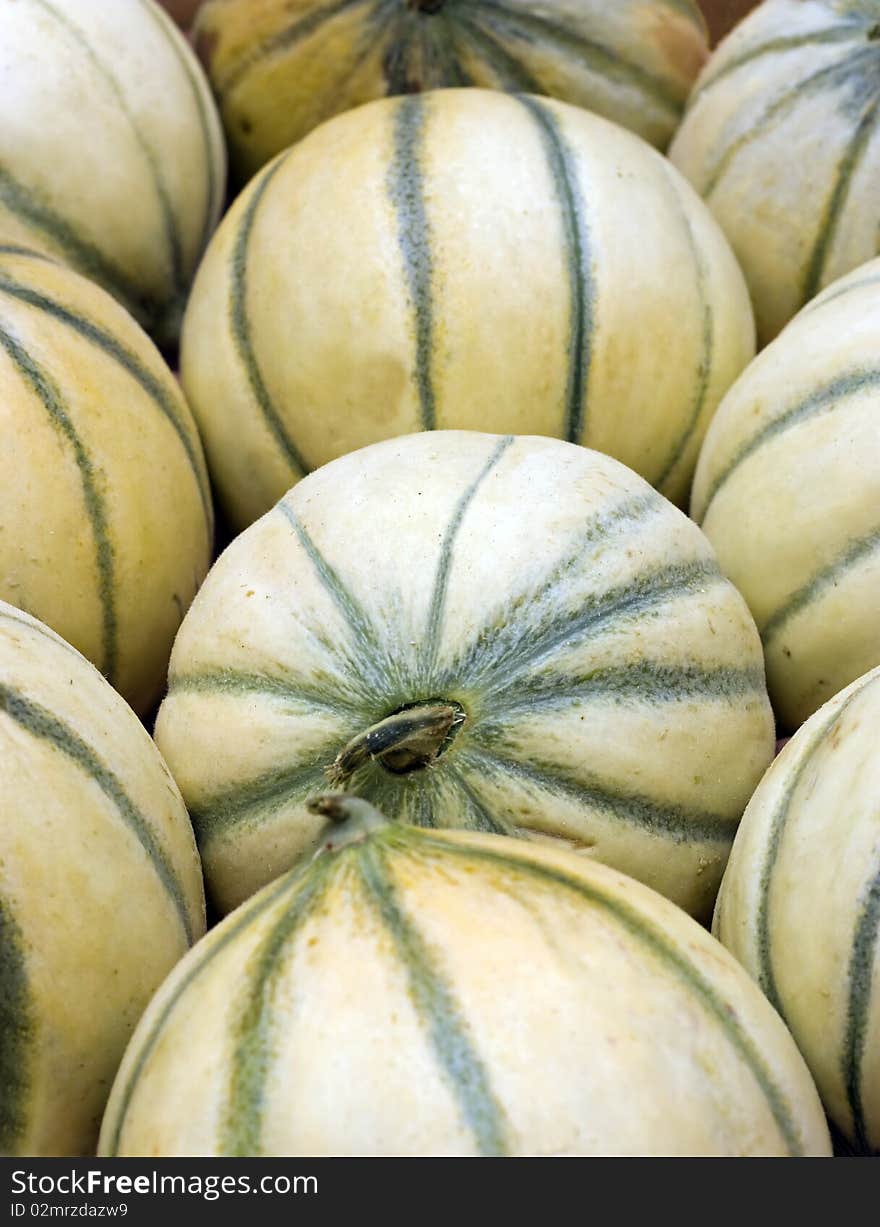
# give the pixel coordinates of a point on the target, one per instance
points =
(467, 732)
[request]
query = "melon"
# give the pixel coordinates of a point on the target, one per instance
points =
(788, 491)
(515, 635)
(646, 1037)
(111, 149)
(279, 69)
(104, 497)
(461, 260)
(800, 902)
(782, 139)
(100, 887)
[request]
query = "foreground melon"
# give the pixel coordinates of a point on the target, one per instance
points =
(512, 635)
(348, 1010)
(788, 492)
(111, 150)
(104, 499)
(463, 259)
(100, 888)
(279, 69)
(800, 902)
(782, 138)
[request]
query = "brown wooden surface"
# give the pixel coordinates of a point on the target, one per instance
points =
(182, 11)
(722, 15)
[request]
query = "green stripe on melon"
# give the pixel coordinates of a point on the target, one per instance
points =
(215, 165)
(43, 725)
(521, 29)
(434, 999)
(15, 1027)
(692, 424)
(483, 768)
(291, 34)
(253, 1033)
(717, 72)
(830, 396)
(577, 241)
(406, 190)
(832, 76)
(654, 940)
(42, 224)
(503, 70)
(859, 1040)
(848, 285)
(640, 682)
(46, 389)
(440, 590)
(241, 328)
(114, 347)
(372, 656)
(824, 580)
(172, 236)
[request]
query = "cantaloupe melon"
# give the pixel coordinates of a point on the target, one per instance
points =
(782, 139)
(111, 150)
(800, 902)
(512, 635)
(788, 491)
(100, 887)
(463, 259)
(279, 68)
(105, 507)
(440, 993)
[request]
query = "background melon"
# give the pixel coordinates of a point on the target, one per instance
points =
(514, 635)
(111, 150)
(800, 902)
(100, 887)
(464, 259)
(104, 498)
(782, 138)
(788, 491)
(347, 1010)
(280, 68)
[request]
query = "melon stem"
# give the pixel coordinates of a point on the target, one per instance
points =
(405, 741)
(356, 818)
